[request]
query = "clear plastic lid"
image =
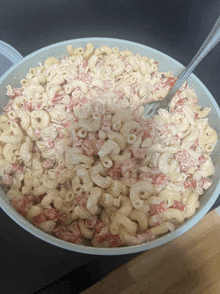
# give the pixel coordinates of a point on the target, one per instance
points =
(8, 57)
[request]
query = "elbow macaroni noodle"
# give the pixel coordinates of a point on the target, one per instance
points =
(80, 161)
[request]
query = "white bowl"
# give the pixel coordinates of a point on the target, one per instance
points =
(166, 63)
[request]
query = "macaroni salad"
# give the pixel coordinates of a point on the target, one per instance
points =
(80, 161)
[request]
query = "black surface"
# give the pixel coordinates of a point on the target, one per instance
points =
(175, 27)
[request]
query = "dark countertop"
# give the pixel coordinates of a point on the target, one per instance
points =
(175, 27)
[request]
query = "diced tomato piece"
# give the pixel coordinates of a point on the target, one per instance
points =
(19, 174)
(185, 160)
(99, 144)
(114, 241)
(72, 104)
(82, 199)
(171, 81)
(37, 105)
(10, 92)
(37, 133)
(192, 184)
(154, 178)
(115, 171)
(51, 214)
(196, 115)
(82, 100)
(16, 167)
(117, 165)
(178, 205)
(85, 63)
(78, 241)
(114, 174)
(27, 106)
(14, 92)
(202, 159)
(162, 180)
(146, 123)
(100, 239)
(62, 217)
(175, 137)
(66, 123)
(153, 210)
(147, 132)
(187, 184)
(39, 197)
(87, 147)
(75, 229)
(154, 174)
(119, 94)
(39, 218)
(70, 237)
(164, 130)
(92, 136)
(49, 144)
(207, 183)
(85, 77)
(102, 235)
(35, 199)
(126, 63)
(139, 152)
(127, 165)
(58, 230)
(58, 98)
(21, 205)
(180, 102)
(156, 219)
(99, 226)
(101, 61)
(31, 198)
(195, 144)
(17, 92)
(48, 163)
(6, 179)
(12, 120)
(35, 149)
(151, 237)
(108, 84)
(194, 101)
(161, 207)
(139, 239)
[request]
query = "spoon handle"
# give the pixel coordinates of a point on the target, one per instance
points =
(210, 42)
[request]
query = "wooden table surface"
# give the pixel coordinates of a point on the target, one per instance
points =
(189, 264)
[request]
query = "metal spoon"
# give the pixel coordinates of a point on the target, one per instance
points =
(210, 42)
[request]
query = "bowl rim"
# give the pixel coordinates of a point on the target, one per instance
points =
(9, 210)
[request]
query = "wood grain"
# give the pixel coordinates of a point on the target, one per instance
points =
(189, 264)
